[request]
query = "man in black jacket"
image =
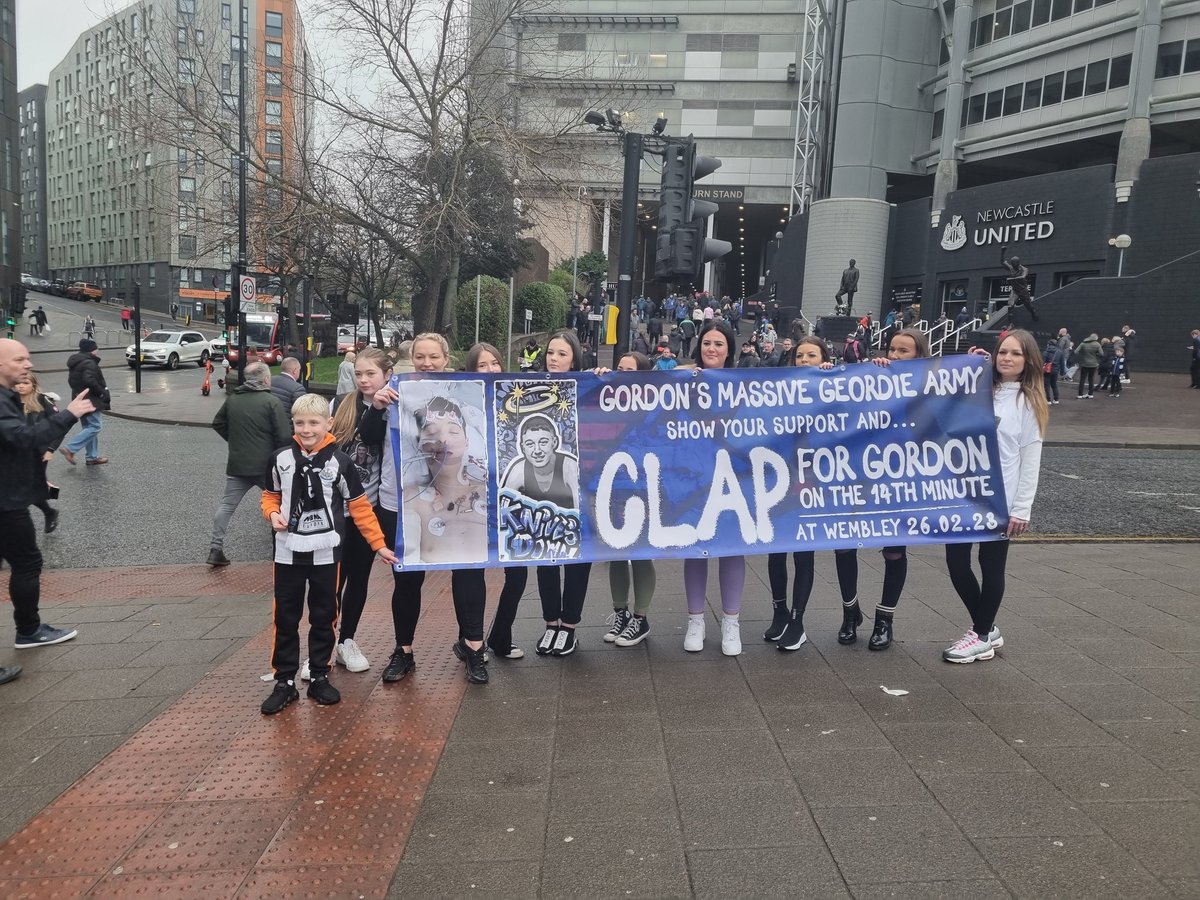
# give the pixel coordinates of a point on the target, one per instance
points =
(24, 484)
(255, 426)
(286, 386)
(83, 374)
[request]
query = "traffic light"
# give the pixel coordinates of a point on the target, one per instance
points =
(227, 318)
(10, 324)
(682, 248)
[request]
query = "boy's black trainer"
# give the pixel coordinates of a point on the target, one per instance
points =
(284, 695)
(323, 692)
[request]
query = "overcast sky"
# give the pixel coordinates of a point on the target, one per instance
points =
(46, 29)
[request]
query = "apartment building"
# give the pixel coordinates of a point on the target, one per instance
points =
(142, 140)
(10, 196)
(32, 148)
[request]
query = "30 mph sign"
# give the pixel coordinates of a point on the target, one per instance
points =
(248, 292)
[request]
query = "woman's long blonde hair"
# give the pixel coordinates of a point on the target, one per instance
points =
(1033, 385)
(33, 400)
(345, 420)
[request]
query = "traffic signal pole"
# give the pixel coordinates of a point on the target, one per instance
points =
(629, 232)
(137, 337)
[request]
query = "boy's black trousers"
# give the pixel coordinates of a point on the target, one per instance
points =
(290, 583)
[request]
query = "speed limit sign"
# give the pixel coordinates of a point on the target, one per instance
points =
(248, 291)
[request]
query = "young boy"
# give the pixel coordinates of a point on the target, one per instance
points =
(312, 482)
(1116, 372)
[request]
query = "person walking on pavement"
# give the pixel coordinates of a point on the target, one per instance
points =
(255, 426)
(89, 327)
(1088, 356)
(345, 382)
(286, 386)
(1195, 367)
(1130, 336)
(22, 486)
(126, 318)
(39, 316)
(83, 374)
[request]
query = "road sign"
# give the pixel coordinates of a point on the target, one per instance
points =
(528, 316)
(248, 291)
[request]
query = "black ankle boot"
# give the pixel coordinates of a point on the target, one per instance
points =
(852, 617)
(881, 637)
(779, 620)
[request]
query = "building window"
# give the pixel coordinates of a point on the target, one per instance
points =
(1052, 88)
(184, 276)
(198, 276)
(274, 198)
(572, 42)
(1041, 13)
(181, 35)
(975, 112)
(274, 84)
(182, 156)
(1059, 9)
(1033, 94)
(1097, 78)
(187, 10)
(235, 45)
(187, 189)
(275, 24)
(993, 106)
(274, 112)
(226, 77)
(1021, 15)
(1073, 86)
(199, 35)
(1012, 99)
(1084, 5)
(1191, 60)
(275, 167)
(274, 143)
(1118, 71)
(1170, 59)
(274, 51)
(939, 120)
(185, 71)
(226, 16)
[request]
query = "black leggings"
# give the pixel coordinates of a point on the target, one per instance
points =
(1088, 375)
(406, 588)
(802, 581)
(895, 573)
(982, 601)
(562, 600)
(470, 595)
(500, 637)
(355, 576)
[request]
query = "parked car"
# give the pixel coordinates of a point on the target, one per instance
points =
(170, 348)
(28, 280)
(58, 287)
(219, 347)
(43, 285)
(85, 290)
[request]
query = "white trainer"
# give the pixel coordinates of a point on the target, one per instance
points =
(693, 641)
(995, 639)
(351, 657)
(731, 636)
(968, 648)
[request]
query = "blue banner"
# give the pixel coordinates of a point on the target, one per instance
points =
(531, 469)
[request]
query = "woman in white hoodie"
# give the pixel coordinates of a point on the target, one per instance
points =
(1019, 400)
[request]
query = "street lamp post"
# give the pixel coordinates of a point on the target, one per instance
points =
(1121, 241)
(239, 268)
(137, 336)
(575, 256)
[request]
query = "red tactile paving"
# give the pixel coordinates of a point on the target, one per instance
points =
(148, 582)
(212, 799)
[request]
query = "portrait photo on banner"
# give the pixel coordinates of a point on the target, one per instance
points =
(537, 465)
(443, 471)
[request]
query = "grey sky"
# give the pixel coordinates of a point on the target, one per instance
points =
(46, 29)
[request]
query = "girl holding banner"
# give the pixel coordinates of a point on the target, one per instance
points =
(1019, 400)
(483, 357)
(715, 350)
(631, 628)
(787, 627)
(562, 595)
(911, 343)
(431, 353)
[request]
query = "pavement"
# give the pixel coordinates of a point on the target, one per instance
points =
(136, 762)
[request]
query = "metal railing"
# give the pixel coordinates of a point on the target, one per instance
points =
(937, 345)
(102, 336)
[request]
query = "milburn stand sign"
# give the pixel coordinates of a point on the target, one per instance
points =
(497, 470)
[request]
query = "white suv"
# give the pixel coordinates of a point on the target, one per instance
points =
(170, 348)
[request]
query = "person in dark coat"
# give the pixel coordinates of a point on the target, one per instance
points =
(83, 374)
(286, 386)
(23, 485)
(255, 426)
